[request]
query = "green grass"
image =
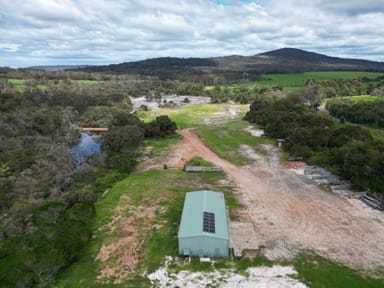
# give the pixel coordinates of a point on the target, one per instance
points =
(194, 115)
(19, 83)
(299, 79)
(293, 81)
(360, 98)
(87, 82)
(163, 188)
(16, 82)
(226, 140)
(318, 272)
(158, 145)
(198, 161)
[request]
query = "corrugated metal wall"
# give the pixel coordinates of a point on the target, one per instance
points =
(204, 246)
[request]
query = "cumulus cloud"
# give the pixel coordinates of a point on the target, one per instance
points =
(37, 32)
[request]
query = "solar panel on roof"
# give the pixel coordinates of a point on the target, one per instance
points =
(209, 222)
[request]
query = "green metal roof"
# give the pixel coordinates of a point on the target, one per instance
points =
(195, 204)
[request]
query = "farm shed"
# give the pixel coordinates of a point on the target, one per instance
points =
(203, 227)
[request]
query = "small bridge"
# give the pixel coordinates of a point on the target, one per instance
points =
(93, 129)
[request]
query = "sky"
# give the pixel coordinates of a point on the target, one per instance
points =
(96, 32)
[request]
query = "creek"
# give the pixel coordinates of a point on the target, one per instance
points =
(88, 144)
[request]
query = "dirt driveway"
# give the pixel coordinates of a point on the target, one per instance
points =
(289, 213)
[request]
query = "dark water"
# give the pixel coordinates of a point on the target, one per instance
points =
(89, 144)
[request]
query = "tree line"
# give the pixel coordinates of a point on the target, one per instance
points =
(351, 151)
(370, 113)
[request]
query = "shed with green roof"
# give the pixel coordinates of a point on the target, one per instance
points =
(203, 227)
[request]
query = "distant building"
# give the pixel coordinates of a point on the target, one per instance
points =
(280, 142)
(203, 228)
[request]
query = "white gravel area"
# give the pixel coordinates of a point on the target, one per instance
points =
(255, 132)
(255, 277)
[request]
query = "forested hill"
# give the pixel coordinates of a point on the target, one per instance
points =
(320, 61)
(286, 60)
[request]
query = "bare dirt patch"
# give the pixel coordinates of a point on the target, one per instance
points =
(182, 152)
(123, 252)
(294, 164)
(289, 213)
(246, 236)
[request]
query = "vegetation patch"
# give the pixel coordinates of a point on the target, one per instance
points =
(144, 208)
(198, 161)
(366, 110)
(197, 115)
(359, 98)
(228, 139)
(87, 82)
(318, 272)
(300, 79)
(351, 151)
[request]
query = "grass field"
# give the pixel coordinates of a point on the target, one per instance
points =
(87, 82)
(318, 272)
(361, 98)
(293, 81)
(227, 139)
(299, 79)
(197, 115)
(16, 82)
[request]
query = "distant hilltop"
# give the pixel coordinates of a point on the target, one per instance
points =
(227, 69)
(234, 67)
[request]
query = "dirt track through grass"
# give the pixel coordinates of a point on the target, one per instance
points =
(289, 214)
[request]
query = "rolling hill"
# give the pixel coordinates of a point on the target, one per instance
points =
(235, 67)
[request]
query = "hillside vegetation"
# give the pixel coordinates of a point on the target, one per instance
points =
(237, 68)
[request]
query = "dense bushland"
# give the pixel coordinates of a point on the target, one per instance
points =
(370, 113)
(46, 199)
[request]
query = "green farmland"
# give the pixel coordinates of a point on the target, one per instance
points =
(293, 81)
(362, 98)
(299, 79)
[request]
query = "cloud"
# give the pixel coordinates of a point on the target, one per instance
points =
(34, 32)
(9, 47)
